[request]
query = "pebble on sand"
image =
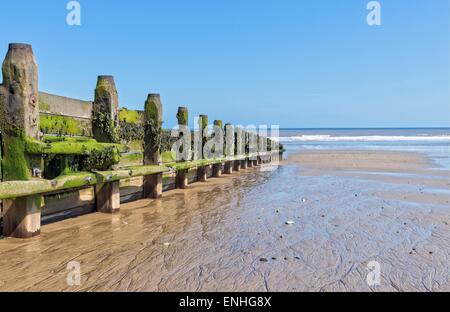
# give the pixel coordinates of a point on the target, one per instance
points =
(290, 222)
(263, 260)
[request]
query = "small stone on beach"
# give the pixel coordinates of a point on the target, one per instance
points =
(263, 260)
(290, 222)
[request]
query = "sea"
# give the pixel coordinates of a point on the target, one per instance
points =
(434, 142)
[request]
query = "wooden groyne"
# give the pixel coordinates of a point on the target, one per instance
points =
(62, 157)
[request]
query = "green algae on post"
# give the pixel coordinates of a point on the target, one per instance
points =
(61, 125)
(105, 111)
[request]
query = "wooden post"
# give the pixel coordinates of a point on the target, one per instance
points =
(105, 127)
(152, 141)
(105, 111)
(181, 178)
(229, 148)
(228, 167)
(260, 148)
(202, 172)
(19, 120)
(237, 165)
(22, 217)
(108, 197)
(239, 148)
(217, 169)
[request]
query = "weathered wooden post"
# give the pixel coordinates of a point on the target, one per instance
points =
(202, 173)
(218, 136)
(253, 142)
(105, 123)
(248, 149)
(269, 148)
(181, 178)
(19, 120)
(229, 148)
(238, 148)
(260, 148)
(105, 111)
(244, 161)
(152, 142)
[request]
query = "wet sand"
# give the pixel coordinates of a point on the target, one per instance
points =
(230, 234)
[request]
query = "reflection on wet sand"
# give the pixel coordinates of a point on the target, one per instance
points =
(230, 234)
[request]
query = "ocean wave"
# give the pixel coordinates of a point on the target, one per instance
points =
(375, 138)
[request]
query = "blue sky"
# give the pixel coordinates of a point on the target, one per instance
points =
(294, 63)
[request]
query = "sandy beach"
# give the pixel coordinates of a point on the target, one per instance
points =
(347, 208)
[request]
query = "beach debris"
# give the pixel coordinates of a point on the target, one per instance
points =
(303, 200)
(274, 258)
(263, 260)
(290, 222)
(167, 244)
(297, 257)
(323, 216)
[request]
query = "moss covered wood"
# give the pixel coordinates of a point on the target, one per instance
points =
(203, 130)
(182, 116)
(19, 111)
(181, 144)
(16, 189)
(63, 125)
(105, 111)
(19, 120)
(152, 186)
(152, 129)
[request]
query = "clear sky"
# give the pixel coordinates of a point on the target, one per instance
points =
(295, 63)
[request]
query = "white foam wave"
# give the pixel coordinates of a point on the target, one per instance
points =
(375, 138)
